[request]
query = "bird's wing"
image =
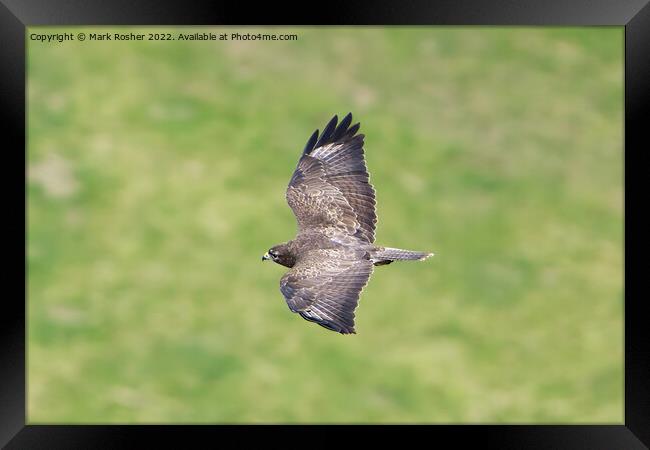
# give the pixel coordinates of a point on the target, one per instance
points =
(330, 186)
(324, 287)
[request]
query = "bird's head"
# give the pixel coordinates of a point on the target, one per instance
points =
(280, 254)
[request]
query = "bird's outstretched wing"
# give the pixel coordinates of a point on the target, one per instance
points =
(325, 285)
(330, 186)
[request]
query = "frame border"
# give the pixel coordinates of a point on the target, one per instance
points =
(634, 15)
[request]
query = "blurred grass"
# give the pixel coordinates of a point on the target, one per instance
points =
(156, 178)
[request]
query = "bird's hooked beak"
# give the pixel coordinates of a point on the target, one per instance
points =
(266, 256)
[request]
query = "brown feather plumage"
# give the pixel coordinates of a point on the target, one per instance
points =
(332, 256)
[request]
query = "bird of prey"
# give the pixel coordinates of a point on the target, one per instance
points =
(333, 254)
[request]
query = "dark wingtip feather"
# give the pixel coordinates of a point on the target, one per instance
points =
(310, 143)
(352, 130)
(342, 128)
(327, 131)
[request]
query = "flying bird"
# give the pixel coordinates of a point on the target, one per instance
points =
(333, 253)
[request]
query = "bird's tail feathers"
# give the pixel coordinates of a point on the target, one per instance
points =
(387, 255)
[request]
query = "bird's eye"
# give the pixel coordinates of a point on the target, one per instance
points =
(273, 253)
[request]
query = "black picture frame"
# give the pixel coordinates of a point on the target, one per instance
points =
(16, 15)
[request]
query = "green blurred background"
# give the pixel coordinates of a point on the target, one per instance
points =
(156, 179)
